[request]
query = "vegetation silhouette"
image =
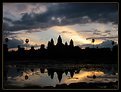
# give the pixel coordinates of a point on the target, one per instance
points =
(63, 52)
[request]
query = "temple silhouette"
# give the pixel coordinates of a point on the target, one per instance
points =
(63, 52)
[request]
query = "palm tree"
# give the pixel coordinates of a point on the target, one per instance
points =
(93, 40)
(6, 40)
(27, 41)
(113, 43)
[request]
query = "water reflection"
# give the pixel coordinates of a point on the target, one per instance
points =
(51, 75)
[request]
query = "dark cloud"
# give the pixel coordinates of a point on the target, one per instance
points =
(66, 32)
(96, 33)
(104, 44)
(9, 34)
(102, 37)
(7, 19)
(107, 43)
(85, 31)
(13, 43)
(73, 13)
(107, 31)
(35, 30)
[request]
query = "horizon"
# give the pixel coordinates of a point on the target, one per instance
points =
(83, 46)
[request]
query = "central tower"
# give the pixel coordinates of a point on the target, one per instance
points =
(59, 42)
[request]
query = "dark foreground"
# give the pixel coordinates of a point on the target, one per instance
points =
(81, 85)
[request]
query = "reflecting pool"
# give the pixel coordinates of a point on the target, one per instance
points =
(53, 74)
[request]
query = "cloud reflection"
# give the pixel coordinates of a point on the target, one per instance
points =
(82, 76)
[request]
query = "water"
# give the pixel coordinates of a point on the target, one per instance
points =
(52, 74)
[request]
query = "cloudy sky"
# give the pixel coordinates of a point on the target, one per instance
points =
(39, 22)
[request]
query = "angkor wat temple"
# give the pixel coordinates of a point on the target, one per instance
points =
(63, 52)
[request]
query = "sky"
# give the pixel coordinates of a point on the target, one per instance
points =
(39, 22)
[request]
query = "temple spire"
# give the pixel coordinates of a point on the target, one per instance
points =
(71, 43)
(59, 41)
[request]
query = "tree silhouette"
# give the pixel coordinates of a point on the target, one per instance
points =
(6, 40)
(27, 41)
(112, 43)
(93, 40)
(42, 46)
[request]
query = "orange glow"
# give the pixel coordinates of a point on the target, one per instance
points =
(73, 34)
(82, 76)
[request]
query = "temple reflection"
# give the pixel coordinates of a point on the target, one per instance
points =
(42, 70)
(72, 73)
(51, 72)
(56, 75)
(66, 72)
